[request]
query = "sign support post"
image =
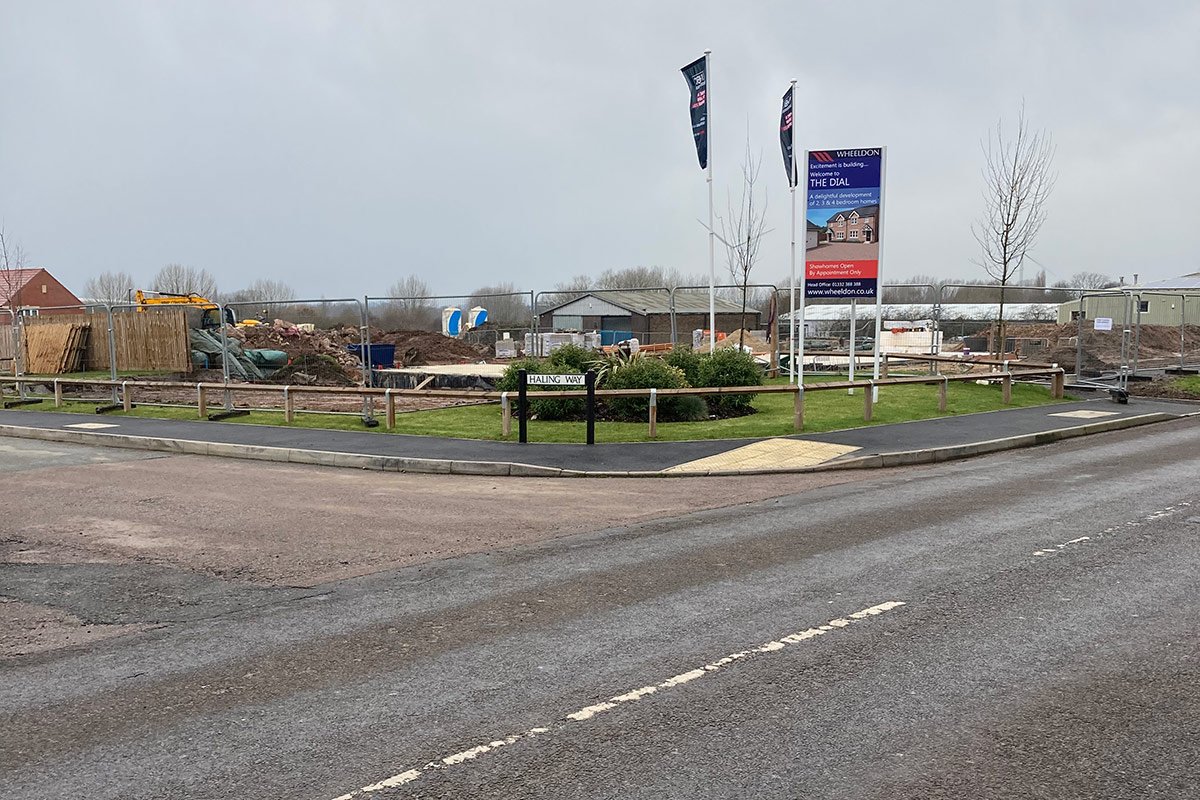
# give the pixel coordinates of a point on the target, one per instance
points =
(522, 405)
(879, 273)
(853, 340)
(591, 406)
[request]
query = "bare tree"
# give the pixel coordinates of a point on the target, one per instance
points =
(410, 311)
(1018, 177)
(506, 308)
(12, 258)
(1091, 280)
(109, 287)
(263, 298)
(180, 279)
(742, 231)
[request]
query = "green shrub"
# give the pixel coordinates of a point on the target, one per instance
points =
(687, 360)
(650, 373)
(552, 408)
(730, 366)
(508, 381)
(572, 356)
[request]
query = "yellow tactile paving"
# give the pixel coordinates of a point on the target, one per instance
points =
(768, 454)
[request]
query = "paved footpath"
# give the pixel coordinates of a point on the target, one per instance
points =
(954, 436)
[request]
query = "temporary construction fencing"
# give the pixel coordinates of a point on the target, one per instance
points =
(1130, 331)
(509, 315)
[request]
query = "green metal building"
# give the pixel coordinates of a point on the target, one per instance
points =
(1167, 302)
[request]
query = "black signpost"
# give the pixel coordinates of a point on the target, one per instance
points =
(524, 380)
(522, 405)
(591, 407)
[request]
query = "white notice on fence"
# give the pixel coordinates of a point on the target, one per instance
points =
(1102, 324)
(556, 380)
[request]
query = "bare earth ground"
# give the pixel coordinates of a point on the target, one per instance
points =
(153, 539)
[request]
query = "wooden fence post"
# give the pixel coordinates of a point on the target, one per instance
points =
(202, 400)
(289, 405)
(126, 397)
(57, 394)
(942, 389)
(1006, 385)
(389, 401)
(798, 401)
(869, 402)
(883, 366)
(1058, 385)
(653, 413)
(505, 415)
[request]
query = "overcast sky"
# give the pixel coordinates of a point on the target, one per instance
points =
(341, 145)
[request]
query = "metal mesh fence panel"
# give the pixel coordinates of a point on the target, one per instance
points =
(494, 324)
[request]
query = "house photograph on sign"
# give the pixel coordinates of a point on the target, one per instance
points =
(846, 234)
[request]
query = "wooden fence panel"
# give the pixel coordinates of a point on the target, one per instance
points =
(8, 339)
(153, 340)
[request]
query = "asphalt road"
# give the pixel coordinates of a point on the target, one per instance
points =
(1022, 625)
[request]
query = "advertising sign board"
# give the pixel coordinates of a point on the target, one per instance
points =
(844, 204)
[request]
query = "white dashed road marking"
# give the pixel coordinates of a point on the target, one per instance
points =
(1133, 523)
(91, 426)
(1084, 414)
(588, 712)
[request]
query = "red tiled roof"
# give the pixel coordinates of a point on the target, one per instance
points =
(13, 280)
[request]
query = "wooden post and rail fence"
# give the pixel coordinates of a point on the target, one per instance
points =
(128, 390)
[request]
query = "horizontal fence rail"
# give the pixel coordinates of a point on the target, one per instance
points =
(128, 389)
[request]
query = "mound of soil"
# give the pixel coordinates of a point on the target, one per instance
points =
(314, 370)
(1163, 389)
(418, 348)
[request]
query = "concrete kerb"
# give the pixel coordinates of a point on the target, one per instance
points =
(363, 461)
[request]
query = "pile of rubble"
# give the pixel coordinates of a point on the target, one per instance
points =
(299, 341)
(322, 357)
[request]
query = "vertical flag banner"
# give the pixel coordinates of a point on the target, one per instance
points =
(844, 215)
(785, 136)
(696, 75)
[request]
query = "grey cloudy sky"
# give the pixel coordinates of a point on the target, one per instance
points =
(341, 145)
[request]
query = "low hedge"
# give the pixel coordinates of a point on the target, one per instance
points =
(651, 373)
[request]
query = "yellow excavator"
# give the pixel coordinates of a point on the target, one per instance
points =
(209, 311)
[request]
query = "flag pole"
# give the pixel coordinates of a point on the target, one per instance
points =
(792, 313)
(712, 233)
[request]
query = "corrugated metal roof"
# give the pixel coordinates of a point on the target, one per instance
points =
(1189, 281)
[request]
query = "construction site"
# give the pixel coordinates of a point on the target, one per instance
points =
(170, 345)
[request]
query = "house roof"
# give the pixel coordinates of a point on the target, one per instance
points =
(1189, 281)
(863, 211)
(13, 281)
(649, 301)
